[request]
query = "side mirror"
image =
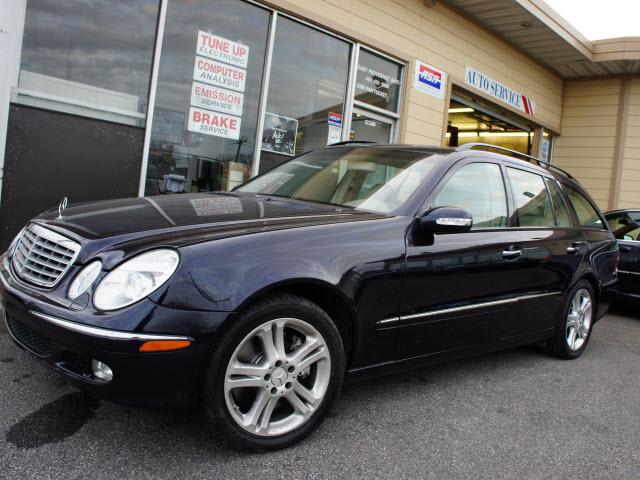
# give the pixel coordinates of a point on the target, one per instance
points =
(446, 220)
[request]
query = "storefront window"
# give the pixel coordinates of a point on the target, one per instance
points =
(306, 95)
(378, 81)
(88, 58)
(206, 108)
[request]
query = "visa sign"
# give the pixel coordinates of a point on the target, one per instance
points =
(430, 80)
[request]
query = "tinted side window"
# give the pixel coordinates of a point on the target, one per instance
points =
(562, 213)
(625, 226)
(532, 199)
(478, 188)
(587, 215)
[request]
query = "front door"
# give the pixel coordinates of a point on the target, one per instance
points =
(626, 228)
(455, 283)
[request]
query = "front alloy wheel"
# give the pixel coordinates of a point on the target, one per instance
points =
(277, 377)
(274, 374)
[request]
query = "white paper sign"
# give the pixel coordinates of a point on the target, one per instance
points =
(429, 80)
(219, 74)
(213, 123)
(218, 48)
(218, 99)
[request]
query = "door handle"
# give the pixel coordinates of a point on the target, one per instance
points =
(511, 254)
(574, 248)
(624, 248)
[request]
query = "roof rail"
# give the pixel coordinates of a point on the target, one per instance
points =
(347, 142)
(473, 145)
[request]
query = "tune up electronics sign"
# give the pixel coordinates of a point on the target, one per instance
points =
(499, 91)
(217, 94)
(430, 80)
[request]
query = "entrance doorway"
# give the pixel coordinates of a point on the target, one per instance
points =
(473, 119)
(370, 127)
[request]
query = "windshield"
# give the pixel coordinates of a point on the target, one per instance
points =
(377, 180)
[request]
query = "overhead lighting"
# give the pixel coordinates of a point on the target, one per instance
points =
(461, 110)
(504, 134)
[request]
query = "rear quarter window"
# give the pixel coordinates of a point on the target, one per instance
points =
(587, 214)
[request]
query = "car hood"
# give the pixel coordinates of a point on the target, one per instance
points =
(184, 215)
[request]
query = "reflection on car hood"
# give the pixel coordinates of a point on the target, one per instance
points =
(126, 216)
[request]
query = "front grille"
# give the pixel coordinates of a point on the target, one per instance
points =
(29, 338)
(42, 257)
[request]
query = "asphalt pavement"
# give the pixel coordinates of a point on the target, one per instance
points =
(514, 414)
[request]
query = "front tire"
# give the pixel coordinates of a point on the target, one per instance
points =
(275, 374)
(573, 328)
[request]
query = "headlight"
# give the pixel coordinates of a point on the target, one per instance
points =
(135, 279)
(84, 279)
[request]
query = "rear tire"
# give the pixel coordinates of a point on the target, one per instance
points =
(274, 375)
(575, 323)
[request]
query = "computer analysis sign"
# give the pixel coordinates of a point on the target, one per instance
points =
(429, 80)
(499, 91)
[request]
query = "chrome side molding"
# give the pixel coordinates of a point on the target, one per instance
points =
(394, 321)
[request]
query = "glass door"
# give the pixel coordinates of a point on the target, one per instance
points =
(370, 127)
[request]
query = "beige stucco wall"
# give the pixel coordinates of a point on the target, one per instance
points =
(587, 145)
(630, 178)
(436, 35)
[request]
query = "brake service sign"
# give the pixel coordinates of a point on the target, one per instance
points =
(430, 80)
(499, 91)
(214, 123)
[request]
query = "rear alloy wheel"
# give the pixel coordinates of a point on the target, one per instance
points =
(579, 317)
(274, 374)
(573, 328)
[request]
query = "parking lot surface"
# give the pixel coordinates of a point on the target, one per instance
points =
(513, 414)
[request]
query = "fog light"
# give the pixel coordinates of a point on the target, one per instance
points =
(101, 370)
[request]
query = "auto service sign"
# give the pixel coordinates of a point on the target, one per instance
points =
(219, 74)
(499, 91)
(214, 123)
(222, 49)
(218, 99)
(430, 80)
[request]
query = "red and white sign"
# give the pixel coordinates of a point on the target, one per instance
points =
(430, 80)
(213, 123)
(218, 99)
(219, 74)
(218, 48)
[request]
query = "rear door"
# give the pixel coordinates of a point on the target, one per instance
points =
(551, 245)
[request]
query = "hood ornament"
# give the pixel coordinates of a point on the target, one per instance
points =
(61, 208)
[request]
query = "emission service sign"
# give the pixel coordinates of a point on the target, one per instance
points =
(218, 99)
(219, 74)
(214, 123)
(218, 48)
(429, 80)
(499, 91)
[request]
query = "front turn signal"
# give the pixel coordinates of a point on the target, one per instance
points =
(163, 345)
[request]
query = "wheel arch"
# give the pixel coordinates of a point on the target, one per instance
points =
(328, 297)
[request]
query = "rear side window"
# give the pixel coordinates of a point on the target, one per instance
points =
(479, 189)
(562, 213)
(533, 205)
(587, 214)
(624, 225)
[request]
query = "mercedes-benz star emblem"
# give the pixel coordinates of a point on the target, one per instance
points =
(61, 207)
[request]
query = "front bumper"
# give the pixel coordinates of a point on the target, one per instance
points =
(67, 345)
